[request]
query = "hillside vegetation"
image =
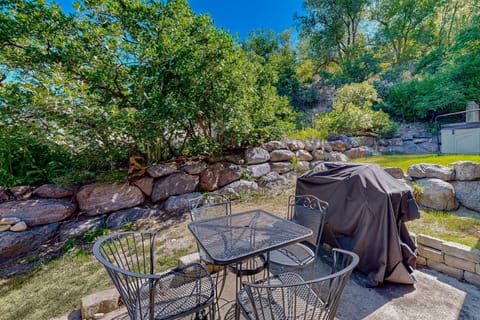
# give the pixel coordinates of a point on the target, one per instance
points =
(145, 81)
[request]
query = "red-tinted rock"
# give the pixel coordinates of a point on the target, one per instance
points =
(53, 191)
(38, 212)
(281, 155)
(219, 175)
(145, 184)
(355, 153)
(174, 184)
(21, 192)
(96, 199)
(161, 170)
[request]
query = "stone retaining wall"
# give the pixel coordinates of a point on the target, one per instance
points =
(456, 260)
(32, 217)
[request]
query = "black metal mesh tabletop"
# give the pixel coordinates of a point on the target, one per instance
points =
(232, 238)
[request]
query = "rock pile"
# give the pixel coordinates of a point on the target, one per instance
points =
(445, 188)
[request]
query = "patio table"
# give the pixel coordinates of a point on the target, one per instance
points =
(236, 237)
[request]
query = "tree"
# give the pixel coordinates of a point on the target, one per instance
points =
(131, 77)
(279, 59)
(452, 16)
(404, 25)
(331, 29)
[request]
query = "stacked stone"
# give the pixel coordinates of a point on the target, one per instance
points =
(48, 211)
(446, 188)
(456, 260)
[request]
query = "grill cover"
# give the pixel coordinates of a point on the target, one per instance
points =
(366, 214)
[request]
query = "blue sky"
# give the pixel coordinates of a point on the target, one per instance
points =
(241, 16)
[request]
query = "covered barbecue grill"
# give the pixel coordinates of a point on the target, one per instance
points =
(367, 212)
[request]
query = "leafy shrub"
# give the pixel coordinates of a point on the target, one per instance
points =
(352, 113)
(128, 78)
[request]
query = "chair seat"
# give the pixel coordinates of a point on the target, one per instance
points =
(293, 255)
(249, 267)
(180, 291)
(274, 302)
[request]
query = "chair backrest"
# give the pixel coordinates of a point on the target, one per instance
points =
(128, 258)
(308, 211)
(209, 206)
(205, 207)
(288, 296)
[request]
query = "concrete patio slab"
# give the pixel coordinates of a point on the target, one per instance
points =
(435, 296)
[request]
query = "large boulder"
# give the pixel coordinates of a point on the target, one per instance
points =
(162, 170)
(281, 167)
(318, 155)
(21, 192)
(467, 170)
(119, 219)
(174, 184)
(367, 141)
(303, 155)
(339, 142)
(194, 167)
(395, 142)
(235, 158)
(219, 175)
(468, 193)
(53, 191)
(235, 189)
(428, 170)
(302, 166)
(274, 145)
(355, 153)
(256, 155)
(258, 170)
(281, 155)
(335, 156)
(38, 212)
(437, 194)
(180, 203)
(95, 199)
(408, 147)
(295, 145)
(311, 145)
(13, 244)
(145, 184)
(338, 145)
(272, 180)
(79, 225)
(429, 146)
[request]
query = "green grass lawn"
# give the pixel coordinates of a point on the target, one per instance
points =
(57, 287)
(443, 225)
(448, 226)
(53, 289)
(404, 161)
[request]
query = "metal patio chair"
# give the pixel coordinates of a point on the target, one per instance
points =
(288, 296)
(210, 206)
(308, 211)
(129, 259)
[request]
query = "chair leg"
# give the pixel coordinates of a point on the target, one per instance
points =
(212, 311)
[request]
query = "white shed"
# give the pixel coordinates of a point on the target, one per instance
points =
(463, 138)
